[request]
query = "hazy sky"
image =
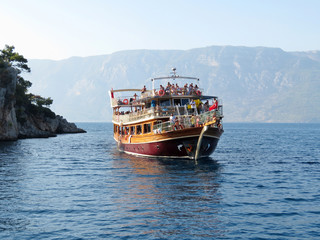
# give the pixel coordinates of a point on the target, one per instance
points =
(58, 29)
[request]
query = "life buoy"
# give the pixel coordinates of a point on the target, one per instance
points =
(198, 92)
(161, 92)
(125, 101)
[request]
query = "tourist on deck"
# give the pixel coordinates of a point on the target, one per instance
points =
(185, 89)
(143, 89)
(190, 89)
(193, 120)
(172, 118)
(200, 107)
(158, 109)
(193, 105)
(197, 121)
(178, 89)
(173, 90)
(168, 88)
(206, 106)
(177, 125)
(161, 92)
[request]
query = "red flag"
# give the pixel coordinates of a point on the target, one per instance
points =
(214, 105)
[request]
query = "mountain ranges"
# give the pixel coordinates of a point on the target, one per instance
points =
(256, 84)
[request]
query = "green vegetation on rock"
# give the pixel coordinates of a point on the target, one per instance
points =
(25, 102)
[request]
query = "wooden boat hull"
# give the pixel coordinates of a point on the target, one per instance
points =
(174, 144)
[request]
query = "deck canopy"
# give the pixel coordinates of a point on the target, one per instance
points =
(127, 90)
(173, 77)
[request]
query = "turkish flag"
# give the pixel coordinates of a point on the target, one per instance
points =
(214, 106)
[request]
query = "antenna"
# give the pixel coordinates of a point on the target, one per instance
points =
(174, 73)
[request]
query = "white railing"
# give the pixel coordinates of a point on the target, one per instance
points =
(145, 114)
(177, 92)
(155, 112)
(187, 121)
(135, 100)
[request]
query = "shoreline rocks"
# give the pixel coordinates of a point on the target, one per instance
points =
(44, 127)
(26, 124)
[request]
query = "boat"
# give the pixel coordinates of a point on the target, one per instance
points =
(169, 121)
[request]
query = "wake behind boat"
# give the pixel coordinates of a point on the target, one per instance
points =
(175, 121)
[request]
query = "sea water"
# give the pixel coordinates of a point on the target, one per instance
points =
(262, 182)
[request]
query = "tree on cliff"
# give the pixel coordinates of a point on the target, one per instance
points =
(28, 101)
(14, 59)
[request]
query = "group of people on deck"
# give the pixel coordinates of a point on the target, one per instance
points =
(175, 123)
(181, 122)
(202, 107)
(194, 119)
(175, 89)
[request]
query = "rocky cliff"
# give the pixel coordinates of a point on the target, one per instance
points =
(8, 121)
(42, 126)
(26, 124)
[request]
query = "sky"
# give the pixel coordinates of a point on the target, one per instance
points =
(59, 29)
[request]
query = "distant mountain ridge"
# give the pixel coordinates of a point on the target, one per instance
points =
(257, 84)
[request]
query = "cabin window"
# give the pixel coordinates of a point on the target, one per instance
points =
(139, 129)
(184, 101)
(165, 102)
(115, 130)
(176, 102)
(147, 128)
(132, 130)
(126, 130)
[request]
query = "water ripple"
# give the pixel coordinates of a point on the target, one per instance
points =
(261, 183)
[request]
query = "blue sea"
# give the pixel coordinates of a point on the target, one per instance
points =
(262, 182)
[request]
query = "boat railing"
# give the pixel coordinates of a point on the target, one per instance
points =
(188, 121)
(146, 114)
(143, 114)
(126, 101)
(220, 107)
(167, 111)
(134, 100)
(161, 92)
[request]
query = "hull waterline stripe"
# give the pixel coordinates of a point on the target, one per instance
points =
(167, 139)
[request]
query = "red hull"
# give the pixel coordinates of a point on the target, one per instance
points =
(175, 148)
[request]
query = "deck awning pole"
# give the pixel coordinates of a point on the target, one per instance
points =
(152, 86)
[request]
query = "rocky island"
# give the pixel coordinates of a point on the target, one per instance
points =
(22, 114)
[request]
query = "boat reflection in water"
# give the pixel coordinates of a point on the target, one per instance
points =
(169, 196)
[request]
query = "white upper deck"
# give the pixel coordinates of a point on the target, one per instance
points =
(136, 97)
